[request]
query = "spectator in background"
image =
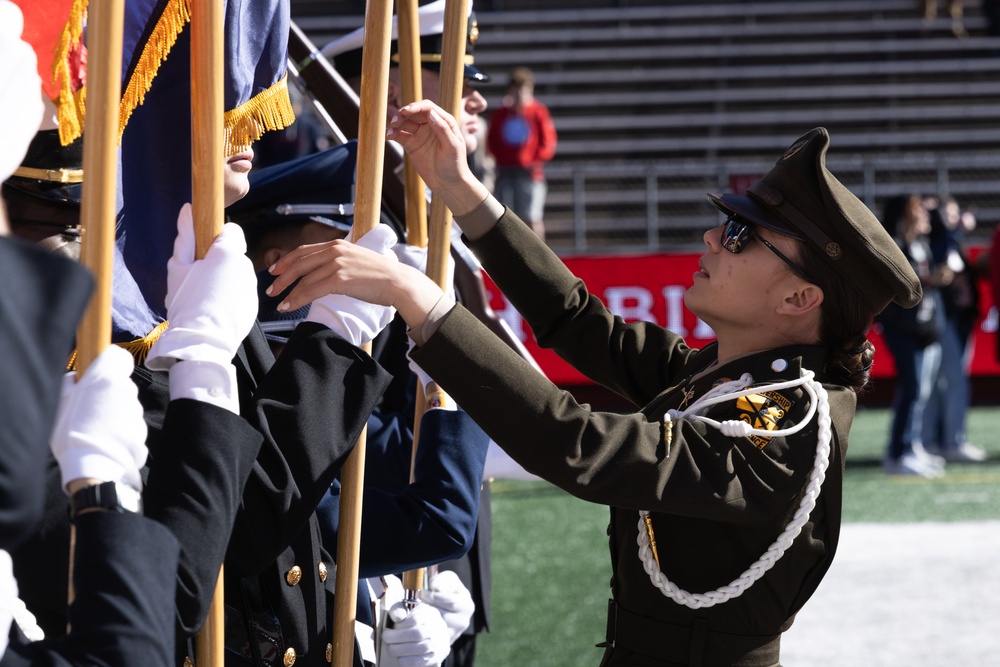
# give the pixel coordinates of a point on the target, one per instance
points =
(955, 10)
(946, 411)
(522, 138)
(913, 338)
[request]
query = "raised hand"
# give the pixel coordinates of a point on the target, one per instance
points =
(436, 146)
(342, 267)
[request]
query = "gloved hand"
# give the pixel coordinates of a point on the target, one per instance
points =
(99, 429)
(211, 302)
(356, 321)
(452, 599)
(419, 637)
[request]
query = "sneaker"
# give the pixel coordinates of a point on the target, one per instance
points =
(967, 452)
(926, 457)
(908, 464)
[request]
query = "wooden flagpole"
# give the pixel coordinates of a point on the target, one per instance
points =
(453, 44)
(105, 24)
(411, 79)
(98, 197)
(367, 206)
(208, 211)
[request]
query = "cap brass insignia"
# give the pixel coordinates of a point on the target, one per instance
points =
(795, 148)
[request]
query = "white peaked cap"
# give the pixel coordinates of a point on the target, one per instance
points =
(431, 23)
(20, 90)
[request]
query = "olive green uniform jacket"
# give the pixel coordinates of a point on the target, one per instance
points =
(717, 502)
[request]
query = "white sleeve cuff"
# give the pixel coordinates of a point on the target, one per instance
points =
(205, 381)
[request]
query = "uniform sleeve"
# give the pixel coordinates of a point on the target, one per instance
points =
(609, 458)
(199, 468)
(406, 526)
(310, 408)
(637, 360)
(123, 613)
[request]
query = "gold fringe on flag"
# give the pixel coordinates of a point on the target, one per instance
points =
(175, 16)
(138, 348)
(71, 105)
(268, 110)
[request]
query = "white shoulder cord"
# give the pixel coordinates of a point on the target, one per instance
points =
(735, 428)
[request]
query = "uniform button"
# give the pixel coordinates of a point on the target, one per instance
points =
(329, 653)
(322, 571)
(294, 575)
(778, 365)
(188, 662)
(289, 658)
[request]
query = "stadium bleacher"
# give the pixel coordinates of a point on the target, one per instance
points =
(656, 103)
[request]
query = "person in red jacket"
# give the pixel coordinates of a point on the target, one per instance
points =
(522, 138)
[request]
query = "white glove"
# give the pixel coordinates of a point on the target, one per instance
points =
(8, 594)
(416, 257)
(421, 374)
(419, 637)
(356, 321)
(211, 302)
(99, 429)
(452, 599)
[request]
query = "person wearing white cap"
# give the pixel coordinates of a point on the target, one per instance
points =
(345, 54)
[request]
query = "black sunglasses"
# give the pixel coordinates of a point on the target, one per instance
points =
(737, 234)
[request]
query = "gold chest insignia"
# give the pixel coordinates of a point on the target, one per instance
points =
(763, 411)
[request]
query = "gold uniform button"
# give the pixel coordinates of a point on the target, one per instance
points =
(329, 653)
(322, 571)
(293, 577)
(289, 658)
(188, 662)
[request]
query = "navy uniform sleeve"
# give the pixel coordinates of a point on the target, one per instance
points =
(407, 526)
(310, 407)
(196, 480)
(125, 567)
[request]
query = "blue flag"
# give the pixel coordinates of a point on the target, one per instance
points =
(156, 124)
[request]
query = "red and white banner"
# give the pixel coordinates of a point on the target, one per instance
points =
(651, 288)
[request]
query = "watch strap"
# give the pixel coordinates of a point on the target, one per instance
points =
(114, 496)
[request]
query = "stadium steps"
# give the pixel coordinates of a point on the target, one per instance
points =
(688, 96)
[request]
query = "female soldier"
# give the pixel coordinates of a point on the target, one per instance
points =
(722, 525)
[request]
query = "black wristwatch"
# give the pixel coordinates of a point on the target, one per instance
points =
(115, 496)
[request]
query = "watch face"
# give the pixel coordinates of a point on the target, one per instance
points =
(129, 498)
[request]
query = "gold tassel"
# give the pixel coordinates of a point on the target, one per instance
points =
(70, 102)
(268, 110)
(138, 348)
(175, 16)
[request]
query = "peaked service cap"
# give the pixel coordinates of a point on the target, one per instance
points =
(345, 52)
(318, 187)
(800, 198)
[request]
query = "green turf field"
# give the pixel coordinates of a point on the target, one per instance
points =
(550, 559)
